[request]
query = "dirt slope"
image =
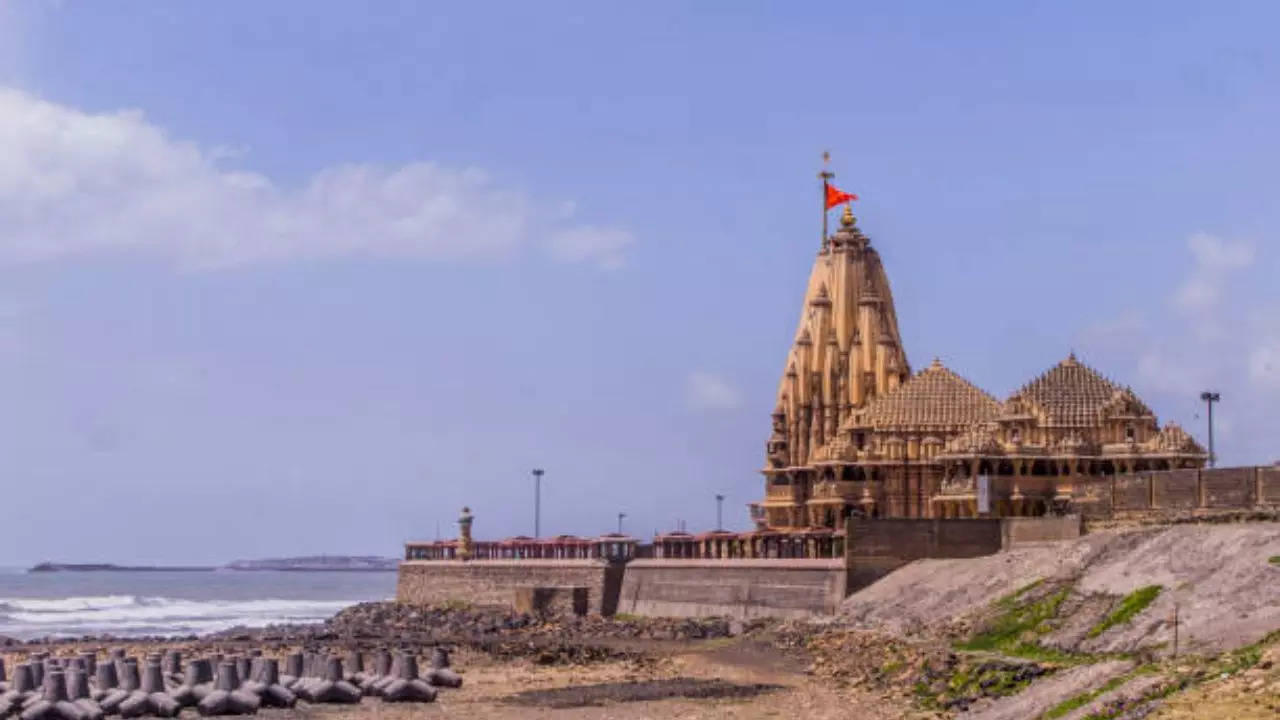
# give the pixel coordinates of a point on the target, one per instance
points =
(1219, 576)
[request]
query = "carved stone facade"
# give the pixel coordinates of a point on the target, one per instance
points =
(854, 433)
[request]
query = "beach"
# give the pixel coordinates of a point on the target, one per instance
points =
(520, 666)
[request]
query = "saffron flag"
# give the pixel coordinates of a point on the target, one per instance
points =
(835, 196)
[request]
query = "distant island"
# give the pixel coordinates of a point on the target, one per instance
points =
(311, 563)
(109, 567)
(316, 563)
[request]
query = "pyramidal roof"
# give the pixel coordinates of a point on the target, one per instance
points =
(935, 396)
(1073, 394)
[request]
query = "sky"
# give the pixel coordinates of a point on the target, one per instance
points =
(300, 277)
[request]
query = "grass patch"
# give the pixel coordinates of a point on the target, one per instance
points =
(1014, 630)
(1084, 698)
(1274, 560)
(626, 618)
(1132, 604)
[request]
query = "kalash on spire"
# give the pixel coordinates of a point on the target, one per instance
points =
(854, 432)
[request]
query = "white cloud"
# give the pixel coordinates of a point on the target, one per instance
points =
(1215, 258)
(710, 391)
(73, 183)
(601, 245)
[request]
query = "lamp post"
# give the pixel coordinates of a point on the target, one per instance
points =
(537, 501)
(620, 516)
(719, 511)
(1210, 397)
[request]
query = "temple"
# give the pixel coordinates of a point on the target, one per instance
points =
(856, 434)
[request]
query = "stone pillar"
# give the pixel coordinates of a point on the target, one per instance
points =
(465, 547)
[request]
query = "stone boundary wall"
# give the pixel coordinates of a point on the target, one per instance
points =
(1017, 531)
(875, 548)
(1177, 494)
(741, 588)
(495, 582)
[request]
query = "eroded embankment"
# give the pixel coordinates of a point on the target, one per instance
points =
(1085, 628)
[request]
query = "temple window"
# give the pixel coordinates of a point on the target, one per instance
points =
(860, 439)
(1129, 432)
(1015, 435)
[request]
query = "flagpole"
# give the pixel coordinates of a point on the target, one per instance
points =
(825, 175)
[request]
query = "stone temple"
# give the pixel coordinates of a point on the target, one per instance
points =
(856, 434)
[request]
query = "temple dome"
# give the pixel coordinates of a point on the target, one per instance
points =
(1072, 394)
(935, 397)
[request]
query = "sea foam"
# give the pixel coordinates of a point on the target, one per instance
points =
(132, 615)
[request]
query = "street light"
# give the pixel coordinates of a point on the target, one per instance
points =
(719, 511)
(537, 501)
(1210, 397)
(620, 516)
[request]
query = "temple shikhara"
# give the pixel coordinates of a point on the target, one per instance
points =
(856, 433)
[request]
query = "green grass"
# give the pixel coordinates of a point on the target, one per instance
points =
(1089, 696)
(1014, 630)
(1132, 604)
(1274, 559)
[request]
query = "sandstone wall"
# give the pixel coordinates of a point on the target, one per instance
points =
(1155, 497)
(494, 582)
(737, 588)
(1017, 531)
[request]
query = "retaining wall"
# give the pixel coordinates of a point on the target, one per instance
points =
(738, 588)
(876, 548)
(494, 582)
(1173, 494)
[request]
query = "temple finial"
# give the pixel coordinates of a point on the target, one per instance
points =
(847, 219)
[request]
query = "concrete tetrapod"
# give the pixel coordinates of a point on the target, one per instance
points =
(331, 688)
(353, 667)
(107, 692)
(440, 675)
(151, 698)
(54, 703)
(381, 668)
(21, 689)
(266, 685)
(408, 687)
(292, 670)
(172, 666)
(78, 692)
(381, 682)
(226, 698)
(196, 683)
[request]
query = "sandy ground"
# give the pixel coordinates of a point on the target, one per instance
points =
(713, 679)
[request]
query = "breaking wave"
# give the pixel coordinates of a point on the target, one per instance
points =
(132, 615)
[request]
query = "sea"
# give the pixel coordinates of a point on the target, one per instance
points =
(132, 603)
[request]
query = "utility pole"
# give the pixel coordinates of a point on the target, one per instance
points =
(719, 511)
(537, 501)
(620, 516)
(1210, 397)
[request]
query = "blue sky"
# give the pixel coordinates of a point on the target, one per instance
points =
(308, 277)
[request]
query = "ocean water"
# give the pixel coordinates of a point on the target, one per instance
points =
(36, 605)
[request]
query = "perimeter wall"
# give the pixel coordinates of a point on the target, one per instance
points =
(496, 582)
(740, 588)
